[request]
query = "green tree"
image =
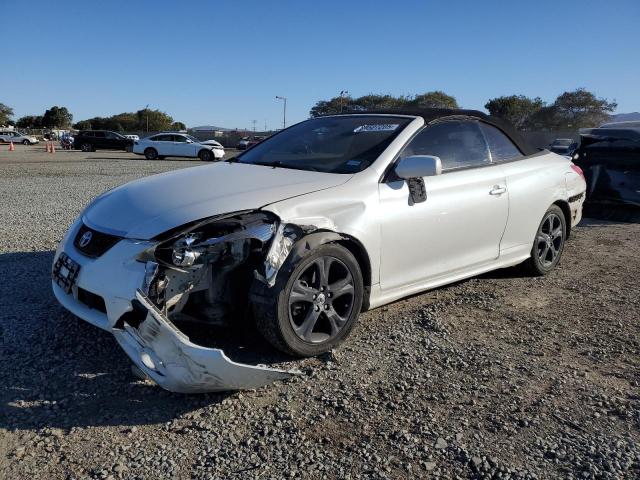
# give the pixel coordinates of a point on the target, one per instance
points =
(434, 99)
(6, 113)
(153, 120)
(29, 121)
(517, 109)
(178, 126)
(581, 108)
(57, 117)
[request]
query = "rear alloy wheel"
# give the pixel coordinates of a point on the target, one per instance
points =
(549, 243)
(205, 155)
(316, 306)
(26, 142)
(150, 154)
(86, 147)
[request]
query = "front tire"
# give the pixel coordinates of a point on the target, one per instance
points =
(26, 142)
(205, 155)
(150, 154)
(86, 147)
(315, 305)
(549, 243)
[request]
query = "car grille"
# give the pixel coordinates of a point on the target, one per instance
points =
(97, 243)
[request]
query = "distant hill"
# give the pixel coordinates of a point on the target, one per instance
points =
(625, 117)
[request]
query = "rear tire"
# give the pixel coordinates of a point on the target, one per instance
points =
(313, 306)
(205, 155)
(548, 244)
(86, 147)
(150, 154)
(26, 142)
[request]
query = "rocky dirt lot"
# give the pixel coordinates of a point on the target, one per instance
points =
(501, 376)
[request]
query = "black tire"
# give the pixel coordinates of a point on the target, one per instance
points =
(205, 155)
(316, 318)
(86, 147)
(161, 157)
(150, 153)
(26, 142)
(548, 244)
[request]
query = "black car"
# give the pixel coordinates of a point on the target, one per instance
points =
(92, 140)
(610, 159)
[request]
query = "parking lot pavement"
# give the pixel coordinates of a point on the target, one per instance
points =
(501, 376)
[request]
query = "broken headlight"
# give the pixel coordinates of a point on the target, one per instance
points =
(191, 246)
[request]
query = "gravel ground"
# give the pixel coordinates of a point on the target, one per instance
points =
(500, 376)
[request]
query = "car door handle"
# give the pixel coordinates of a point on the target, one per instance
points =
(497, 190)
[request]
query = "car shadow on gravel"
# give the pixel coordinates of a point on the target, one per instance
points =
(58, 371)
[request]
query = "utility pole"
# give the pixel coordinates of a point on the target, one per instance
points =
(254, 125)
(284, 111)
(342, 95)
(146, 111)
(265, 124)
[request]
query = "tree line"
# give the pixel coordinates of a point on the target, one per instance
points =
(60, 117)
(570, 110)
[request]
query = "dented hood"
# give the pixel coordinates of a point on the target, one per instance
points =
(147, 207)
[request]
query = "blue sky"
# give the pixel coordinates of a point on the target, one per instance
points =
(222, 63)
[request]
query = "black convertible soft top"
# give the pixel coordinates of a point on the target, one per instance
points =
(431, 114)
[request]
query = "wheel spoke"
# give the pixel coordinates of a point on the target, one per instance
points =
(323, 264)
(544, 253)
(301, 293)
(335, 320)
(305, 329)
(341, 287)
(557, 232)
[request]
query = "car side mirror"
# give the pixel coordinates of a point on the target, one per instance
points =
(418, 166)
(189, 141)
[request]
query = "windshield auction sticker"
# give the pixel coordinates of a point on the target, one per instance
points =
(383, 127)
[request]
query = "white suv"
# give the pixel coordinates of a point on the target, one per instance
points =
(173, 144)
(17, 137)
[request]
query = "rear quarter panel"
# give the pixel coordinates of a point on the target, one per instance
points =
(533, 184)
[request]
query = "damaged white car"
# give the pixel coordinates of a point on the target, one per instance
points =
(330, 217)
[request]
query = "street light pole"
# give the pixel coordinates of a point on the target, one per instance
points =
(342, 94)
(146, 111)
(284, 111)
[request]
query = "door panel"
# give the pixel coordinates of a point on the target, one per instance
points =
(459, 225)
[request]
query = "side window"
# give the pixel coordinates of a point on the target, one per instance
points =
(501, 147)
(99, 134)
(110, 135)
(88, 134)
(459, 144)
(179, 138)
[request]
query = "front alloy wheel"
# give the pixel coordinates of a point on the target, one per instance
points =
(315, 303)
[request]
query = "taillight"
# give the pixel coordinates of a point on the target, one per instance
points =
(577, 169)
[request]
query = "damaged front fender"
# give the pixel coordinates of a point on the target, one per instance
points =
(167, 356)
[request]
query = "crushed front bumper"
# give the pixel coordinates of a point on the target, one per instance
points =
(156, 346)
(167, 356)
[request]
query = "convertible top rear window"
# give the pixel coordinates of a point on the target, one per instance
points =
(338, 144)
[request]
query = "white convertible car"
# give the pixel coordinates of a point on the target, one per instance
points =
(330, 217)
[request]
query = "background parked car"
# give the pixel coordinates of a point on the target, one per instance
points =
(610, 159)
(247, 142)
(563, 146)
(173, 144)
(133, 137)
(92, 140)
(18, 137)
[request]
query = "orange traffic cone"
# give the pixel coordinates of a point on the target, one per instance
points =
(12, 148)
(53, 148)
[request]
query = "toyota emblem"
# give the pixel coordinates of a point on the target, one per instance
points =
(85, 239)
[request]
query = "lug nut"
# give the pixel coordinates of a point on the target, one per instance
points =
(317, 307)
(314, 296)
(326, 307)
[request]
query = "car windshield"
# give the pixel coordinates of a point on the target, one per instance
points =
(344, 144)
(563, 141)
(193, 139)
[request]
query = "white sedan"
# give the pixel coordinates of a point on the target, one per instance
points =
(327, 218)
(173, 144)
